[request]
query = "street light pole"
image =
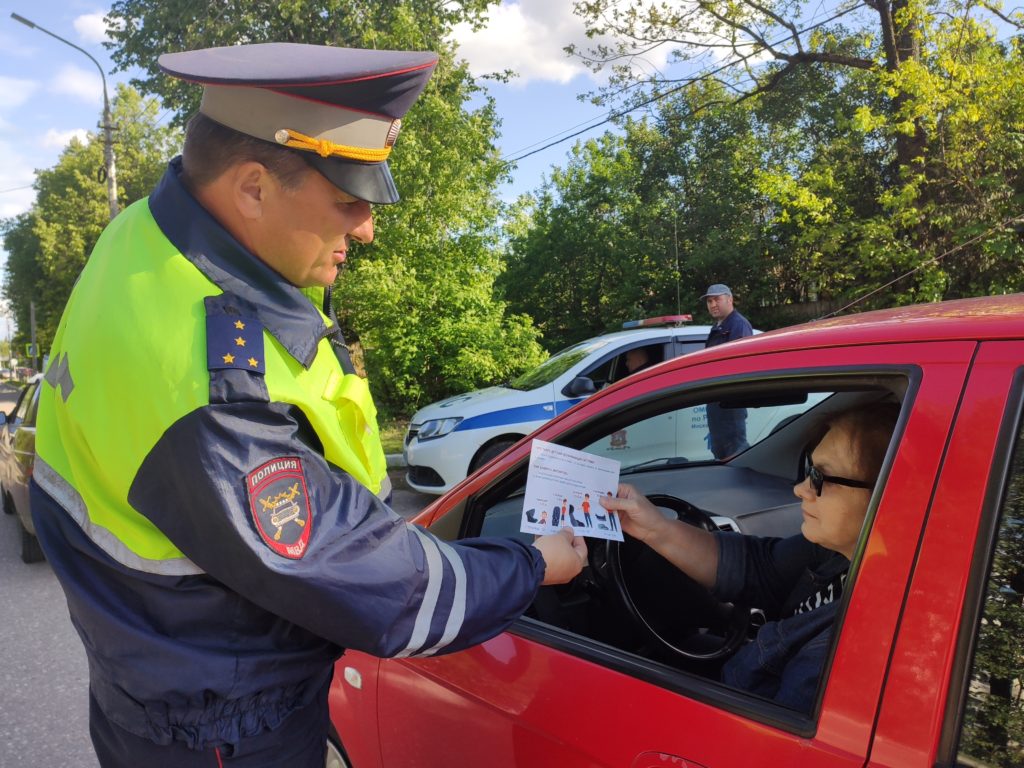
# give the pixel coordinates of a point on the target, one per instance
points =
(108, 128)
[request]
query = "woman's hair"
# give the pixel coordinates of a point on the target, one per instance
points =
(211, 148)
(870, 428)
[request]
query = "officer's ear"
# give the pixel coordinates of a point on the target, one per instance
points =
(250, 186)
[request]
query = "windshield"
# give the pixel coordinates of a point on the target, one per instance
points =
(683, 436)
(555, 366)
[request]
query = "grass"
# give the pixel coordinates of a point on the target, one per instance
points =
(392, 433)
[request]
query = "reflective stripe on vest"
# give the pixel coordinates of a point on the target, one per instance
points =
(129, 360)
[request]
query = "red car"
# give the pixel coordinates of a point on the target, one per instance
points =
(620, 667)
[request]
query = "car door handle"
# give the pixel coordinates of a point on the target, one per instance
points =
(663, 760)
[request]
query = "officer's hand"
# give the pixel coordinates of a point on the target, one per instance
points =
(564, 556)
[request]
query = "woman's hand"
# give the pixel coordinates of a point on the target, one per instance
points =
(640, 519)
(692, 550)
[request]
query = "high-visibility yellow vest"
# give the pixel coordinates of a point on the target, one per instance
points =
(130, 359)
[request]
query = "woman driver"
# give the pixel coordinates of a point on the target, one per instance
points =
(797, 581)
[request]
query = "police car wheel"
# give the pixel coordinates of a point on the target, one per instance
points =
(489, 453)
(334, 757)
(31, 552)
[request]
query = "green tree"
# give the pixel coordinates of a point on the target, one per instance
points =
(640, 223)
(799, 185)
(420, 299)
(854, 223)
(48, 245)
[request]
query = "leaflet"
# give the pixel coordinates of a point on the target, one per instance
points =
(562, 488)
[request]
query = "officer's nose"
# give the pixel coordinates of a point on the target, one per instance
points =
(362, 229)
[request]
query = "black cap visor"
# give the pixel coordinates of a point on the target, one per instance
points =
(371, 182)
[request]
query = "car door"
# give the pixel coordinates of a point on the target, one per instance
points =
(24, 451)
(952, 695)
(10, 470)
(547, 694)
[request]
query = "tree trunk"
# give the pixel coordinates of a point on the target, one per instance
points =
(901, 45)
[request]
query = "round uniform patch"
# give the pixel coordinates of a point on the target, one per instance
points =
(280, 505)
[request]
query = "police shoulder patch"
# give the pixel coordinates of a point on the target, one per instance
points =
(280, 506)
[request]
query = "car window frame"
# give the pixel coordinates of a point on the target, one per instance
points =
(668, 343)
(33, 408)
(24, 404)
(906, 381)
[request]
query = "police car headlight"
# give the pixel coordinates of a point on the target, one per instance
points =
(438, 427)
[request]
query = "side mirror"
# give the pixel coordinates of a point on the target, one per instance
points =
(3, 419)
(581, 386)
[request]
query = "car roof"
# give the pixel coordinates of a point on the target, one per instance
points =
(657, 332)
(984, 318)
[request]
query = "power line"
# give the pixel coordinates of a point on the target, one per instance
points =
(1013, 220)
(16, 189)
(700, 75)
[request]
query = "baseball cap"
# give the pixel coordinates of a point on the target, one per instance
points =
(718, 289)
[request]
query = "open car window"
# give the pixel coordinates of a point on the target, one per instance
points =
(666, 451)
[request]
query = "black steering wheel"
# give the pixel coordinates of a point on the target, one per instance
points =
(670, 607)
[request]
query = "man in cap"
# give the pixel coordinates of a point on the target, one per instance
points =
(727, 427)
(209, 479)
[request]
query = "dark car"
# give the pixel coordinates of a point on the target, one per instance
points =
(17, 453)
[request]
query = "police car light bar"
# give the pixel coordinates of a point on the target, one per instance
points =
(649, 322)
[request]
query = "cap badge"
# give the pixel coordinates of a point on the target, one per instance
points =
(396, 126)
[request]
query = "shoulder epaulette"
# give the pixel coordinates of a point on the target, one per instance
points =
(234, 335)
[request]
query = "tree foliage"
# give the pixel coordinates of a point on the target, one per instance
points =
(796, 191)
(48, 246)
(420, 299)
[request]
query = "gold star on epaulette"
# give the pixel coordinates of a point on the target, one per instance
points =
(253, 362)
(228, 358)
(239, 325)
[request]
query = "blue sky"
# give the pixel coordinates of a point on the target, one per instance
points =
(50, 92)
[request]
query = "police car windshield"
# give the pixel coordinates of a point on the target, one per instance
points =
(555, 366)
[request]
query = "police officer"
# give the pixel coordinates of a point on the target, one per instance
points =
(727, 427)
(209, 479)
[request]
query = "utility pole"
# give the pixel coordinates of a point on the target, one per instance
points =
(32, 332)
(110, 170)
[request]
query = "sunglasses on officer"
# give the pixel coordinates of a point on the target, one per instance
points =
(819, 478)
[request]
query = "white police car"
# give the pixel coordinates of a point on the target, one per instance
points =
(449, 439)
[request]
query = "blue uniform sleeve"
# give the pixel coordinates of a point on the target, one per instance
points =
(762, 571)
(243, 490)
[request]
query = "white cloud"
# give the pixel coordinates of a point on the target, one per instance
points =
(15, 91)
(82, 84)
(16, 178)
(13, 43)
(529, 37)
(91, 28)
(54, 139)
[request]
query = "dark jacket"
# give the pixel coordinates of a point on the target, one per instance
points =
(735, 326)
(273, 558)
(798, 584)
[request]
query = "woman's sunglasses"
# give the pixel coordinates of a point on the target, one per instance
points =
(818, 478)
